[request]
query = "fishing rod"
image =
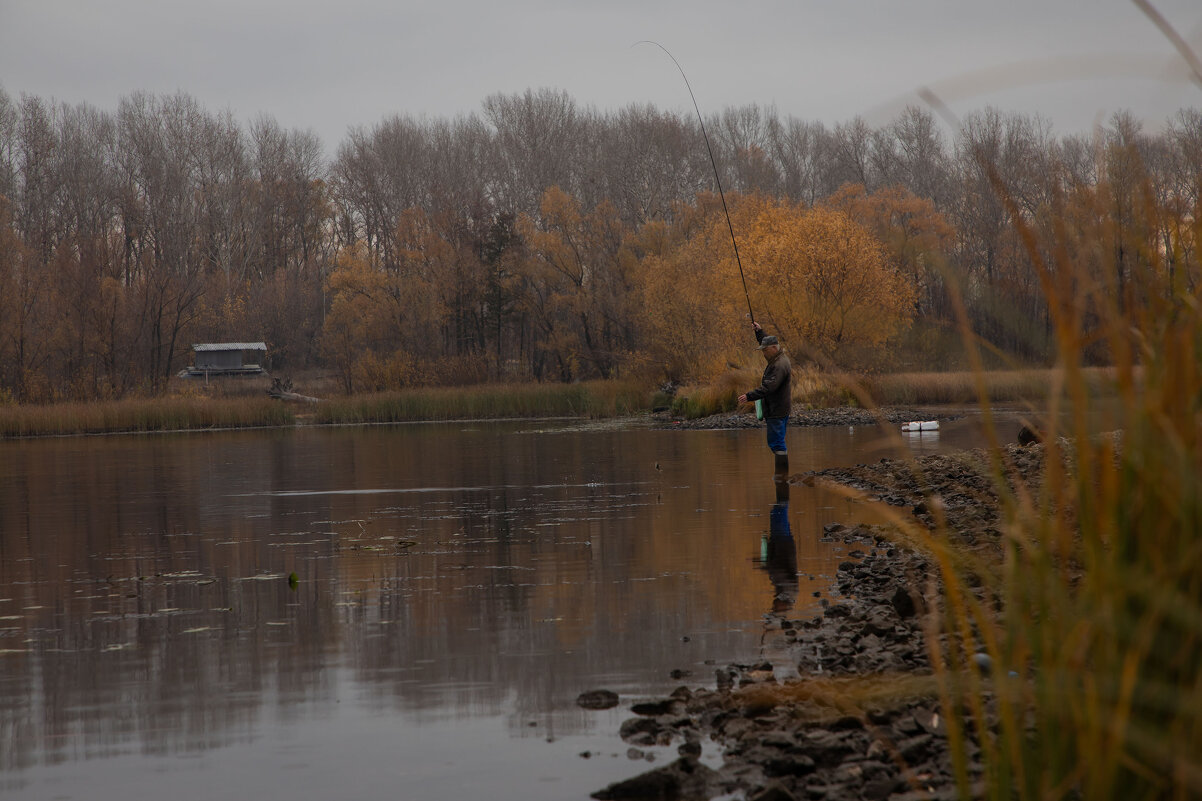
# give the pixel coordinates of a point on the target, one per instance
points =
(713, 163)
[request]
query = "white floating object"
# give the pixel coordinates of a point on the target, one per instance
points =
(924, 425)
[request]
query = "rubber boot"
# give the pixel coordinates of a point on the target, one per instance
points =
(782, 462)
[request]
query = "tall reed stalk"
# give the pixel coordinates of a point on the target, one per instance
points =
(1092, 616)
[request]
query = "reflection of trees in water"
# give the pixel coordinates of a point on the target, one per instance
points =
(491, 601)
(165, 681)
(129, 563)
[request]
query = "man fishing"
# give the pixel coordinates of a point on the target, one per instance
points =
(775, 393)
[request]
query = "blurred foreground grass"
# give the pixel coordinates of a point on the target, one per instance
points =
(1092, 615)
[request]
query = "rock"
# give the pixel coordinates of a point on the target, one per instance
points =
(684, 778)
(878, 789)
(916, 748)
(826, 747)
(654, 708)
(949, 793)
(597, 699)
(789, 765)
(847, 723)
(736, 727)
(903, 603)
(639, 731)
(1029, 435)
(658, 783)
(931, 722)
(869, 643)
(880, 622)
(773, 791)
(758, 708)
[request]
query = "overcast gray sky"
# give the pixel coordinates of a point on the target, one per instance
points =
(330, 65)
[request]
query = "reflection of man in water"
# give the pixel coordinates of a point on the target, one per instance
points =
(780, 558)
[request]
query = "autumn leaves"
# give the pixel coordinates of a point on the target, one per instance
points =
(663, 300)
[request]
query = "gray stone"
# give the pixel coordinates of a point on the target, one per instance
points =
(597, 699)
(773, 791)
(684, 778)
(638, 730)
(878, 789)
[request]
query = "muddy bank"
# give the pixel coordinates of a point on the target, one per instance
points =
(862, 720)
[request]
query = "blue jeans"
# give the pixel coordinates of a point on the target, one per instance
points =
(776, 433)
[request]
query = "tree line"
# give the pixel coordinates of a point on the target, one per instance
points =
(540, 240)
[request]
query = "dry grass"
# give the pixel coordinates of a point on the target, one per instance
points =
(823, 699)
(218, 407)
(139, 415)
(820, 389)
(964, 387)
(588, 399)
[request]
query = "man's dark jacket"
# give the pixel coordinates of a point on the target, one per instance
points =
(776, 387)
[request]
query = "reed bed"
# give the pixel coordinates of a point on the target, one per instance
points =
(715, 398)
(965, 387)
(820, 389)
(141, 415)
(588, 399)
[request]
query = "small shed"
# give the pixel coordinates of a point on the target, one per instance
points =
(227, 359)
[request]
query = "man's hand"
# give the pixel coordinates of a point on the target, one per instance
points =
(756, 326)
(743, 398)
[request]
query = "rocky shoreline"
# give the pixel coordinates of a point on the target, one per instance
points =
(801, 417)
(862, 720)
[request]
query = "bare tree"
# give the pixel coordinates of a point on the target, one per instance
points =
(537, 137)
(851, 156)
(377, 175)
(1124, 168)
(160, 150)
(649, 162)
(799, 149)
(8, 145)
(911, 152)
(742, 139)
(1184, 193)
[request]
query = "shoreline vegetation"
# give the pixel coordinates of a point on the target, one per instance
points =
(703, 406)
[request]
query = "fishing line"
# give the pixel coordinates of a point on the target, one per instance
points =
(714, 164)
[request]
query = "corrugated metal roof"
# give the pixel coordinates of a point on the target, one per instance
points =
(212, 346)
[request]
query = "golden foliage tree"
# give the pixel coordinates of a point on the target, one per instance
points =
(814, 276)
(822, 279)
(359, 337)
(693, 306)
(432, 278)
(580, 282)
(916, 237)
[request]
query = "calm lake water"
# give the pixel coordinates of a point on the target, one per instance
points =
(403, 612)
